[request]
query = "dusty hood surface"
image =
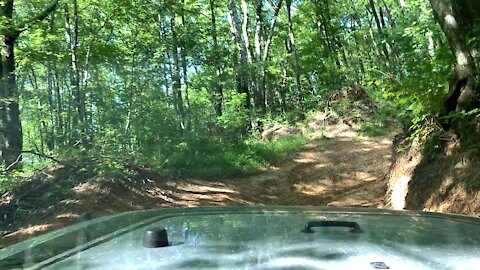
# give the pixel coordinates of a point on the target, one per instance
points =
(258, 238)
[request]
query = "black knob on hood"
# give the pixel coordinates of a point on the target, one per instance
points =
(155, 238)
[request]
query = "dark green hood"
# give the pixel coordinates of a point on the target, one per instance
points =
(258, 238)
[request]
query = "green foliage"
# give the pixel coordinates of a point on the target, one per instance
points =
(235, 118)
(374, 129)
(211, 157)
(11, 181)
(381, 122)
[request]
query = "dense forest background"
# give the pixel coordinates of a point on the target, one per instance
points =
(185, 87)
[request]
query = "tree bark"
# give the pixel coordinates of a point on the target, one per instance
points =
(463, 92)
(11, 135)
(183, 52)
(218, 96)
(322, 26)
(296, 59)
(250, 67)
(78, 119)
(242, 69)
(380, 30)
(468, 12)
(176, 74)
(258, 67)
(264, 58)
(10, 126)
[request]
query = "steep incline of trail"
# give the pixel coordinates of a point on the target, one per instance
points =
(341, 171)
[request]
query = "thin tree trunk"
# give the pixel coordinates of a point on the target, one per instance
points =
(250, 66)
(296, 60)
(283, 91)
(322, 27)
(176, 74)
(72, 39)
(40, 124)
(183, 52)
(59, 107)
(264, 58)
(242, 69)
(258, 67)
(218, 97)
(131, 98)
(380, 30)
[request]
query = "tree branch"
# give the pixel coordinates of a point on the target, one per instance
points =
(19, 159)
(41, 155)
(40, 17)
(271, 31)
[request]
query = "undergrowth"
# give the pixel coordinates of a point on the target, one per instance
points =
(217, 158)
(202, 157)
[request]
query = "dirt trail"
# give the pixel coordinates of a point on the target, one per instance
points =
(344, 170)
(341, 171)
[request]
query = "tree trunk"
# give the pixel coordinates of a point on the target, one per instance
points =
(183, 52)
(71, 35)
(176, 74)
(380, 30)
(258, 68)
(242, 70)
(10, 126)
(463, 92)
(11, 139)
(468, 12)
(250, 61)
(131, 97)
(218, 97)
(264, 58)
(322, 26)
(296, 59)
(283, 88)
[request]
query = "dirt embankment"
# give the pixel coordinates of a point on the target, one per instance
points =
(439, 178)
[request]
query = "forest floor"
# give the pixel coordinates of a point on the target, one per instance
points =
(339, 169)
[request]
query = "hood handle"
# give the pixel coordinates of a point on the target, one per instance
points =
(331, 223)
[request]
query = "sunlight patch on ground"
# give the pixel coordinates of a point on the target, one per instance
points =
(89, 188)
(349, 202)
(67, 216)
(387, 142)
(189, 195)
(320, 166)
(157, 192)
(203, 189)
(364, 176)
(31, 230)
(304, 160)
(311, 189)
(306, 157)
(271, 169)
(70, 201)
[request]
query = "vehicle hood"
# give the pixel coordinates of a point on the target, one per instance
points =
(257, 238)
